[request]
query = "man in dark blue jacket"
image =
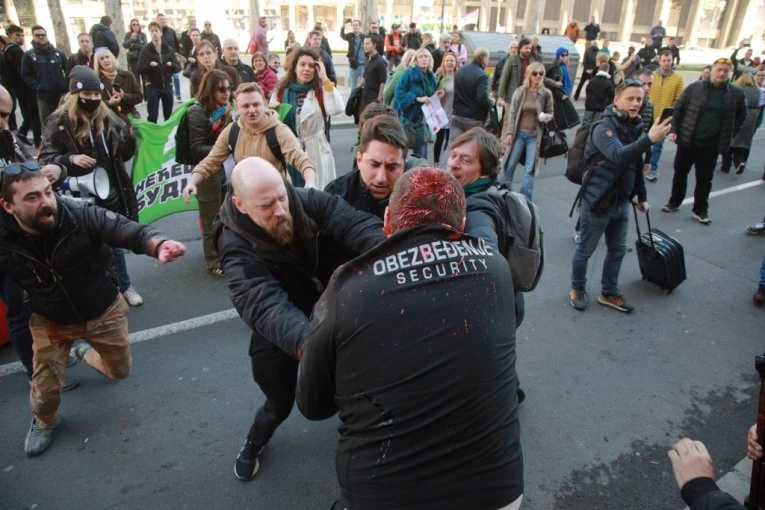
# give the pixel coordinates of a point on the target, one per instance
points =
(619, 143)
(471, 95)
(43, 69)
(103, 36)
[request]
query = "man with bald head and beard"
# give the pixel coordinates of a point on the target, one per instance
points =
(269, 253)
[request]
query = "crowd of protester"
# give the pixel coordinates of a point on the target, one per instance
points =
(276, 238)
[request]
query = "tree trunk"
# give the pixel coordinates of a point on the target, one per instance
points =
(113, 9)
(10, 12)
(367, 13)
(254, 15)
(60, 28)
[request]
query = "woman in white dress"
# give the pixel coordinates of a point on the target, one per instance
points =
(304, 97)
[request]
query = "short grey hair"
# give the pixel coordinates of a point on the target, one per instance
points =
(445, 36)
(480, 53)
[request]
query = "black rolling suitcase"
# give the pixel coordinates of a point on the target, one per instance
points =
(661, 257)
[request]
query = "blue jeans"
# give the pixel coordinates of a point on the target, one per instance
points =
(421, 150)
(762, 273)
(614, 223)
(17, 316)
(354, 76)
(656, 155)
(119, 256)
(527, 140)
(153, 96)
(177, 84)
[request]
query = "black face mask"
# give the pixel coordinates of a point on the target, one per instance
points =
(89, 105)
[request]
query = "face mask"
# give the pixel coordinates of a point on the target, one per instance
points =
(89, 105)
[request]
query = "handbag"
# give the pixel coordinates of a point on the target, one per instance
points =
(417, 132)
(492, 124)
(554, 143)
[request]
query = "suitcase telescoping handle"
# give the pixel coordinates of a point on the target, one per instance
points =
(637, 224)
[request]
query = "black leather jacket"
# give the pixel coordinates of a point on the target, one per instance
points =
(70, 273)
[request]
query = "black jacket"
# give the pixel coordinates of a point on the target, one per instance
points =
(703, 494)
(274, 288)
(44, 71)
(421, 366)
(498, 74)
(60, 145)
(170, 38)
(619, 176)
(103, 37)
(134, 46)
(690, 107)
(201, 137)
(214, 39)
(161, 75)
(591, 31)
(412, 41)
(646, 55)
(600, 92)
(79, 59)
(590, 59)
(11, 78)
(70, 273)
(471, 92)
(246, 73)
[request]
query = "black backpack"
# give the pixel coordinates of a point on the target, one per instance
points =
(577, 164)
(271, 140)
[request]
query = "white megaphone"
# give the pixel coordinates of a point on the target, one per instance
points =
(95, 183)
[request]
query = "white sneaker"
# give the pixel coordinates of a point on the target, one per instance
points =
(577, 236)
(132, 297)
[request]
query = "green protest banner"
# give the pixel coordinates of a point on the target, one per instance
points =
(157, 178)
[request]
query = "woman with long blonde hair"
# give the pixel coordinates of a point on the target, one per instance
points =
(531, 107)
(445, 75)
(84, 135)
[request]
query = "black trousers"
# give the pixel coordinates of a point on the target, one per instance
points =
(442, 141)
(276, 374)
(704, 158)
(31, 117)
(736, 156)
(585, 77)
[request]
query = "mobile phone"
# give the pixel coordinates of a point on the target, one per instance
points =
(666, 113)
(117, 88)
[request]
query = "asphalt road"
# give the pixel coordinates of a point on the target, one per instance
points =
(608, 393)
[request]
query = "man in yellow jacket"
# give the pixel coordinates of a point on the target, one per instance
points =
(666, 90)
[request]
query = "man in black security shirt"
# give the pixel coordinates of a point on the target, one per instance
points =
(413, 343)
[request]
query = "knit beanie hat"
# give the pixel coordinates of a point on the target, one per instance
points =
(84, 78)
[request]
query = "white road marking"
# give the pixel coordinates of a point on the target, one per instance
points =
(152, 333)
(725, 191)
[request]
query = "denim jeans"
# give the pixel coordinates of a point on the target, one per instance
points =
(614, 223)
(153, 96)
(119, 256)
(656, 155)
(762, 272)
(527, 140)
(354, 76)
(17, 315)
(177, 85)
(421, 150)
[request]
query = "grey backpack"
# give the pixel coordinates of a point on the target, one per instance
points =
(521, 239)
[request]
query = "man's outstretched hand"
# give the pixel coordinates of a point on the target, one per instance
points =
(170, 250)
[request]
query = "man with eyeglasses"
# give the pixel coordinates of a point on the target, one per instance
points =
(209, 35)
(73, 295)
(707, 116)
(43, 69)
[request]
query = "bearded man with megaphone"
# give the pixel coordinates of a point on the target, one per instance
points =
(84, 135)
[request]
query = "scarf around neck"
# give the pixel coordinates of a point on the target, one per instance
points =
(294, 94)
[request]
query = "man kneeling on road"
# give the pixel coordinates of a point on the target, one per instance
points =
(617, 144)
(413, 342)
(267, 243)
(59, 252)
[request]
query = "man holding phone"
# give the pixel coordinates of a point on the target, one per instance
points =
(666, 90)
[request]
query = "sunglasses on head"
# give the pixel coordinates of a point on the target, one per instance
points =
(17, 168)
(725, 61)
(537, 73)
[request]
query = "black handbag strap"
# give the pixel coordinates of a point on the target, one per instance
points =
(648, 220)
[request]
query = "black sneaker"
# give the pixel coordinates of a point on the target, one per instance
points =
(701, 218)
(759, 296)
(578, 299)
(521, 395)
(615, 301)
(247, 461)
(670, 207)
